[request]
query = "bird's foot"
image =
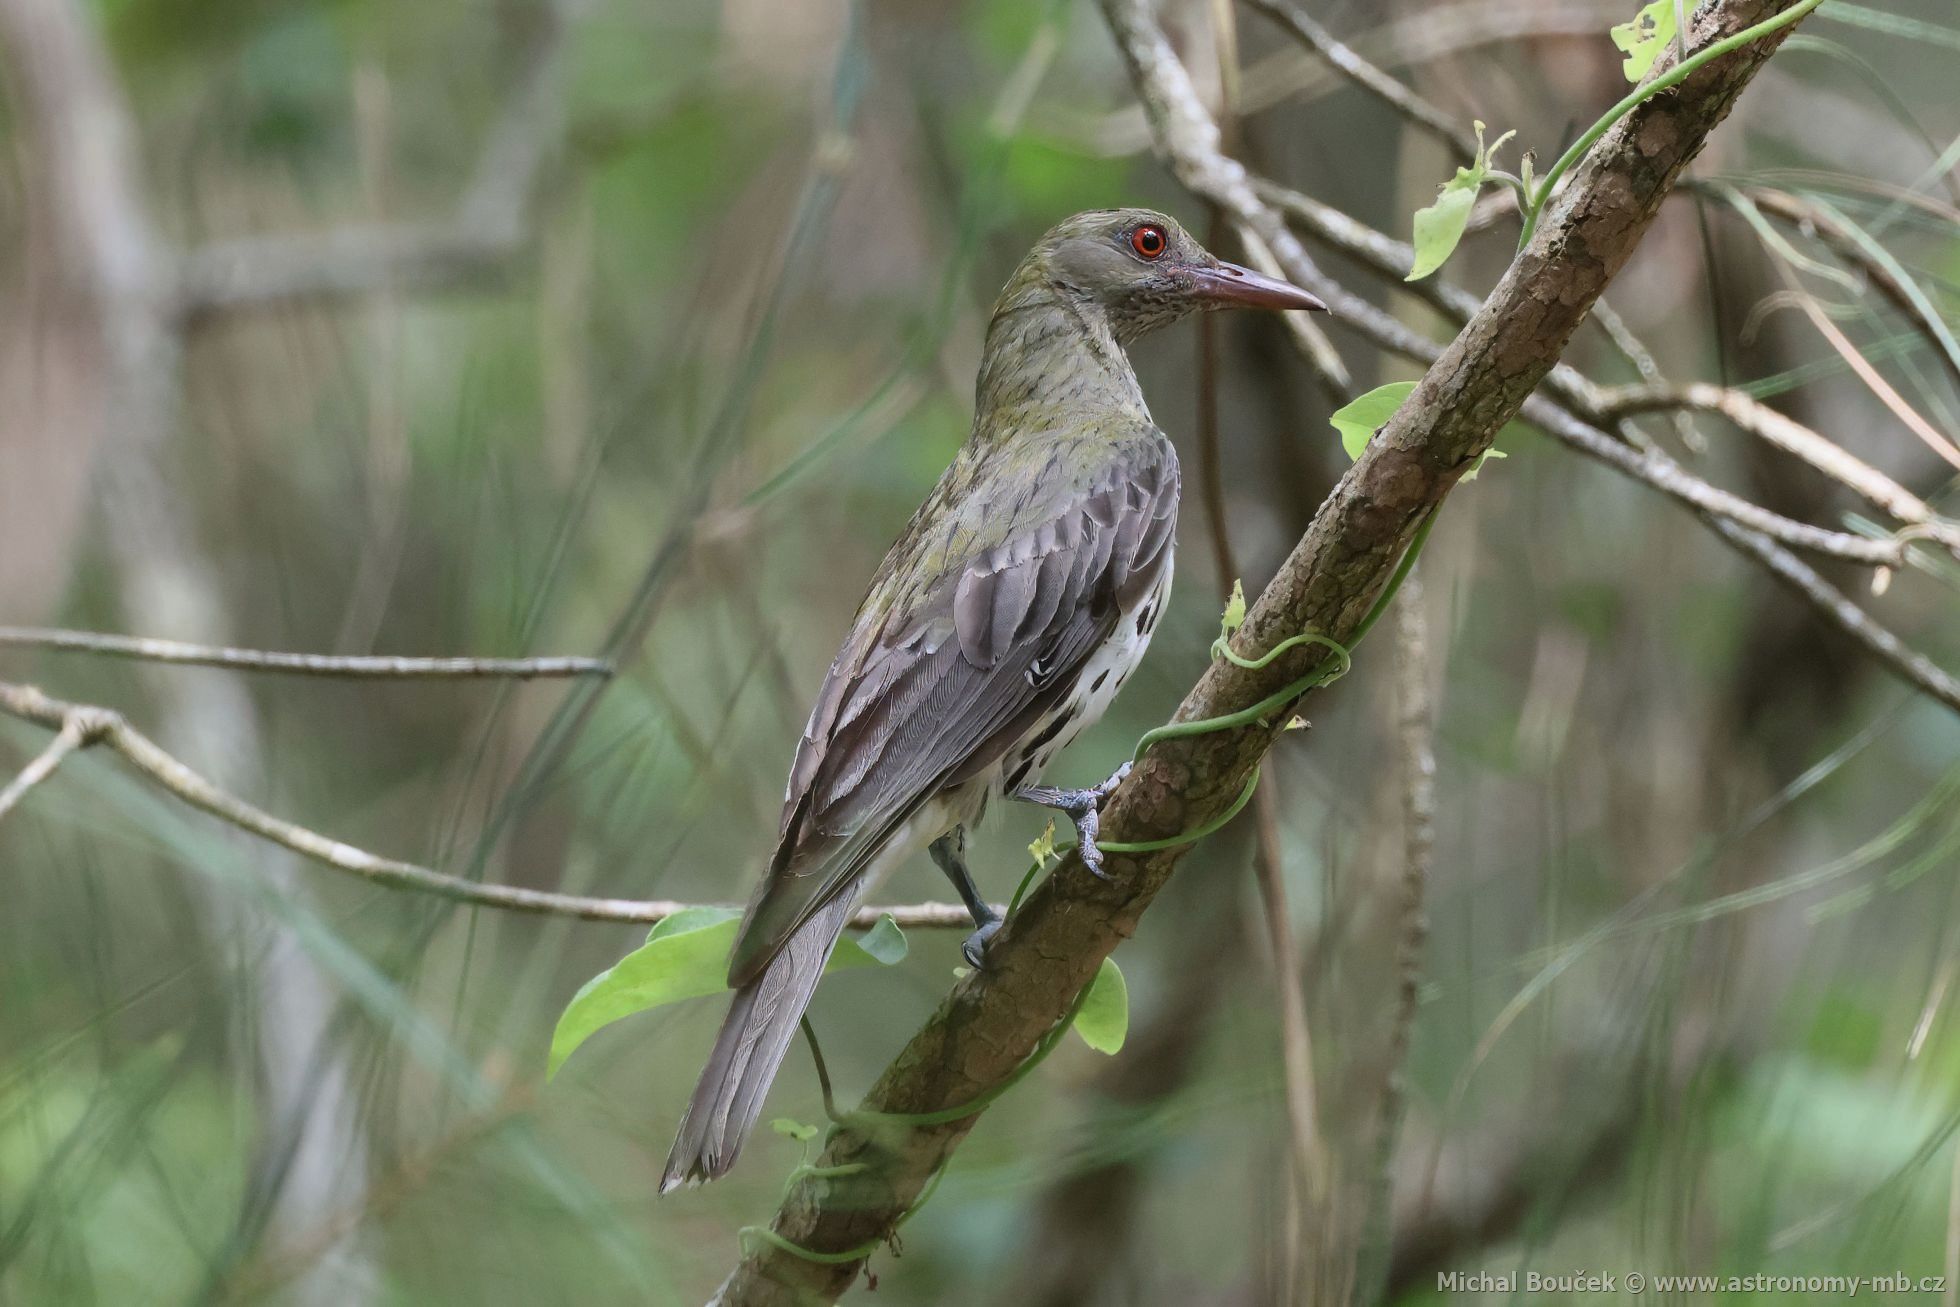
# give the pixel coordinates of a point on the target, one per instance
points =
(1084, 808)
(949, 851)
(974, 948)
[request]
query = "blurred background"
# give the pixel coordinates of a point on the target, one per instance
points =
(497, 327)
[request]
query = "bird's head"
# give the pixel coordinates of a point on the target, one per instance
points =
(1143, 271)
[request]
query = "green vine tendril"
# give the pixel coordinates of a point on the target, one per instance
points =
(1329, 670)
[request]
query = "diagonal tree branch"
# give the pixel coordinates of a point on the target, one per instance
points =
(1052, 947)
(1345, 60)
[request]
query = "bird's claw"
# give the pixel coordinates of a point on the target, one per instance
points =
(1084, 808)
(974, 947)
(1088, 825)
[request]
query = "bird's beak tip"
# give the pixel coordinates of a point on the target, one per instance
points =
(1230, 286)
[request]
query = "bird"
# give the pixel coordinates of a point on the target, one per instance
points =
(1003, 621)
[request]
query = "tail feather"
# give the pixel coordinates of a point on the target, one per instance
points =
(755, 1036)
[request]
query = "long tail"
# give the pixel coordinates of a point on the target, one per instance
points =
(754, 1037)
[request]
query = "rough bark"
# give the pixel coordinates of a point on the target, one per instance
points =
(1052, 947)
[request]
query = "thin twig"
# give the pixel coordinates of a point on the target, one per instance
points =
(1307, 1170)
(1760, 420)
(1345, 60)
(1435, 32)
(1662, 473)
(261, 660)
(1309, 1151)
(1911, 665)
(1635, 351)
(69, 738)
(1328, 368)
(104, 726)
(1572, 388)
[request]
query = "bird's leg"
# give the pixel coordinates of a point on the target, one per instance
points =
(1084, 808)
(949, 854)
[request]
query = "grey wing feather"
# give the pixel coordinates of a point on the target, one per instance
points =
(934, 696)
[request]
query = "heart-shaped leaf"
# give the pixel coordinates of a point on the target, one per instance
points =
(1104, 1018)
(1361, 417)
(686, 956)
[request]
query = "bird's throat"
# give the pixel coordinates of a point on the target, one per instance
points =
(1049, 363)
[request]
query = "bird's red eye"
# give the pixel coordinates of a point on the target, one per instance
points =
(1149, 241)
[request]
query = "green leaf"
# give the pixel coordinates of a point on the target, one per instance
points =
(1234, 616)
(690, 919)
(1644, 36)
(686, 956)
(1440, 226)
(884, 943)
(1104, 1018)
(1042, 847)
(685, 961)
(1361, 417)
(793, 1129)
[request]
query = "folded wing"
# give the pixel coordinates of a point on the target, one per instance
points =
(931, 692)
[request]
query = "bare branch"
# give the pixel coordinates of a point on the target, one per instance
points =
(1308, 1168)
(1635, 351)
(69, 738)
(1786, 433)
(308, 664)
(1308, 1152)
(1829, 603)
(84, 724)
(1355, 68)
(1432, 33)
(1662, 473)
(1908, 663)
(1462, 145)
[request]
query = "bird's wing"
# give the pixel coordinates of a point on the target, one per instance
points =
(932, 691)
